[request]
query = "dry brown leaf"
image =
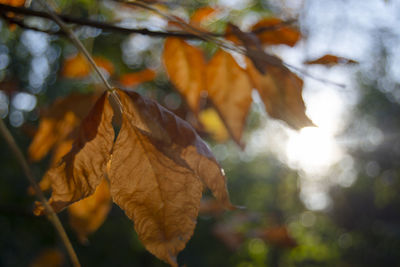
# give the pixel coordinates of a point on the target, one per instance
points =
(59, 122)
(281, 92)
(330, 60)
(135, 78)
(82, 169)
(157, 170)
(185, 66)
(177, 139)
(49, 257)
(229, 88)
(158, 194)
(276, 32)
(87, 215)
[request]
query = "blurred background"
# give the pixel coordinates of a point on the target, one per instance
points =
(321, 196)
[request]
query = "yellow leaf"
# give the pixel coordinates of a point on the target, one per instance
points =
(229, 88)
(185, 66)
(212, 123)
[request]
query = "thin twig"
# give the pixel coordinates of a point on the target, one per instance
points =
(64, 27)
(51, 215)
(22, 24)
(97, 24)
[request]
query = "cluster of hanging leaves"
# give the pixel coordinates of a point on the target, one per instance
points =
(229, 85)
(124, 148)
(157, 168)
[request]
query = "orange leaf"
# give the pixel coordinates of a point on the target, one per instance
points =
(201, 14)
(281, 92)
(278, 236)
(87, 215)
(49, 258)
(330, 60)
(82, 169)
(230, 90)
(275, 32)
(77, 66)
(13, 2)
(104, 64)
(135, 78)
(58, 123)
(185, 66)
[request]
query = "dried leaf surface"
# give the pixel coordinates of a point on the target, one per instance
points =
(158, 194)
(229, 88)
(281, 92)
(87, 215)
(185, 66)
(275, 32)
(177, 139)
(82, 169)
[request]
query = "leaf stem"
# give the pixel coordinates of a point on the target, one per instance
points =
(51, 215)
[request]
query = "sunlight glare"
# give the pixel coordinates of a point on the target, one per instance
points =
(312, 150)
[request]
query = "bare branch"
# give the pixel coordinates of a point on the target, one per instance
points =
(51, 215)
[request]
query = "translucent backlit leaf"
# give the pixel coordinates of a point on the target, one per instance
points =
(229, 88)
(273, 31)
(185, 66)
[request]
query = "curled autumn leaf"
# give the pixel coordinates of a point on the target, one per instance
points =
(157, 169)
(83, 168)
(176, 138)
(330, 60)
(185, 66)
(281, 92)
(229, 88)
(273, 31)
